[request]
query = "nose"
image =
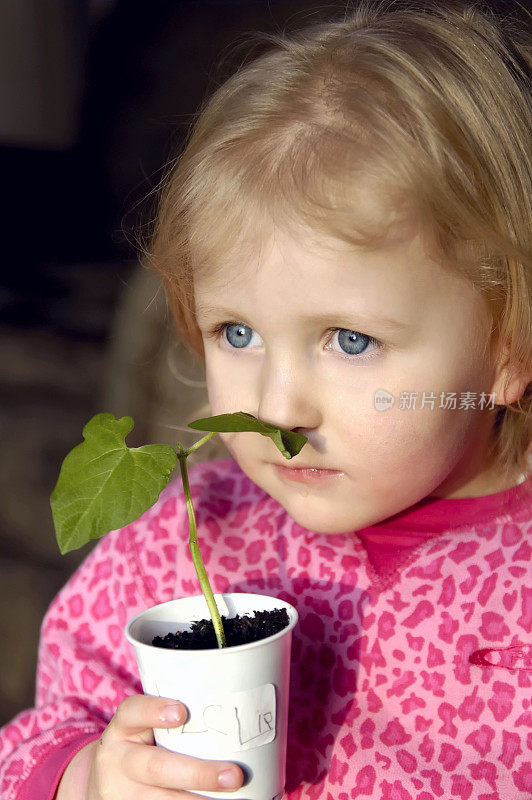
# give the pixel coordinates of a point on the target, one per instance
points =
(286, 398)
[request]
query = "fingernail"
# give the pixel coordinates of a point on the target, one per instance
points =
(228, 779)
(172, 714)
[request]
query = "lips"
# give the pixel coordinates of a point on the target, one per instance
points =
(310, 474)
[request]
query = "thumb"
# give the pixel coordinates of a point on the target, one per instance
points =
(137, 715)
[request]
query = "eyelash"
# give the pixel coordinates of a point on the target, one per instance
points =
(217, 331)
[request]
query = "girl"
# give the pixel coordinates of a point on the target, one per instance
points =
(346, 240)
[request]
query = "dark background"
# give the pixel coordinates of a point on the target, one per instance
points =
(94, 98)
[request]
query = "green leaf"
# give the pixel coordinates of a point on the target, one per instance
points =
(288, 442)
(104, 485)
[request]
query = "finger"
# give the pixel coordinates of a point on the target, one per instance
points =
(138, 714)
(155, 766)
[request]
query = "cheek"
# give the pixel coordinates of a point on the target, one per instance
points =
(406, 431)
(231, 384)
(411, 446)
(223, 399)
(220, 391)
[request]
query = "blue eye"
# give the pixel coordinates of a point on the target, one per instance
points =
(353, 343)
(238, 335)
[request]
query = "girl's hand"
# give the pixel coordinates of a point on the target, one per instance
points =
(125, 765)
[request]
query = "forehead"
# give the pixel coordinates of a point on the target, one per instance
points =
(311, 267)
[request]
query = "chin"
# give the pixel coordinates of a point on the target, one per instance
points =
(321, 520)
(316, 514)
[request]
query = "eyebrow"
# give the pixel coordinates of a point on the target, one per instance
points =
(208, 311)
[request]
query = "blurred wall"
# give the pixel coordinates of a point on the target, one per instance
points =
(42, 55)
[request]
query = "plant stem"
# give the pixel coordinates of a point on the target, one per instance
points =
(199, 443)
(194, 547)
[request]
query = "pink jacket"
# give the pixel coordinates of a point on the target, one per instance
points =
(411, 668)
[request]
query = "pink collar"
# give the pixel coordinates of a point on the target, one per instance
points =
(436, 515)
(392, 543)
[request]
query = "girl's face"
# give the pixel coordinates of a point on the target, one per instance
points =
(308, 334)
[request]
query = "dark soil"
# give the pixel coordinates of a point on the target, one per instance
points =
(238, 630)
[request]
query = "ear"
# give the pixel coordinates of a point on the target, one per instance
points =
(510, 381)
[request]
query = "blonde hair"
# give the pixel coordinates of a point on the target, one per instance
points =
(396, 114)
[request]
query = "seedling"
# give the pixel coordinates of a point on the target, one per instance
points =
(104, 485)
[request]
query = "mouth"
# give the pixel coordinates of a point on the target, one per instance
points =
(306, 474)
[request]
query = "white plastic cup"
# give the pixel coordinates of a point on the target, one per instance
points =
(237, 697)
